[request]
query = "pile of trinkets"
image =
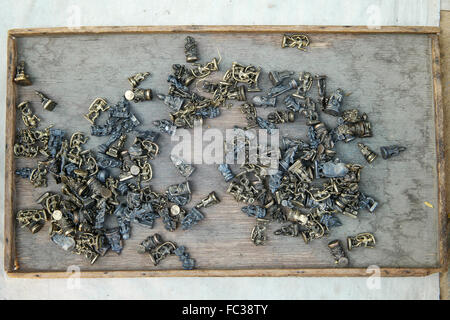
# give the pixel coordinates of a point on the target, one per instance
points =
(90, 191)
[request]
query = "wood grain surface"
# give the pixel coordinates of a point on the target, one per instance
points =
(389, 77)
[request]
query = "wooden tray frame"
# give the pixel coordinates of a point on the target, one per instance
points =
(10, 250)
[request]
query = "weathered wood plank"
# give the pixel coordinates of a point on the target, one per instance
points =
(389, 75)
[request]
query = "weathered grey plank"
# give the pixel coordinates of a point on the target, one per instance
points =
(389, 77)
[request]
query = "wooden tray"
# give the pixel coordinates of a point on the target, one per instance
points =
(392, 73)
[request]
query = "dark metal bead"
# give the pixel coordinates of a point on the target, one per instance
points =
(391, 151)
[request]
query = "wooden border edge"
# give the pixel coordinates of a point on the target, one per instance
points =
(315, 272)
(9, 221)
(440, 151)
(219, 28)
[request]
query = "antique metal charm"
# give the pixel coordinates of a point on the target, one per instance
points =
(277, 77)
(226, 172)
(138, 95)
(338, 253)
(190, 50)
(334, 104)
(187, 262)
(210, 200)
(391, 151)
(21, 77)
(184, 168)
(368, 154)
(97, 106)
(300, 41)
(29, 119)
(265, 101)
(366, 240)
(258, 234)
(136, 79)
(47, 103)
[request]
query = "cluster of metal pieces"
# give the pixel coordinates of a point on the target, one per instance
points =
(158, 249)
(186, 107)
(311, 186)
(111, 182)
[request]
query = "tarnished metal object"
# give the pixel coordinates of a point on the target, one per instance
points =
(210, 200)
(175, 103)
(47, 103)
(258, 234)
(279, 117)
(202, 71)
(21, 77)
(114, 240)
(391, 151)
(138, 95)
(137, 78)
(334, 104)
(365, 239)
(184, 168)
(191, 219)
(301, 41)
(33, 219)
(265, 101)
(190, 49)
(225, 170)
(338, 253)
(29, 119)
(368, 154)
(97, 106)
(277, 77)
(280, 89)
(187, 262)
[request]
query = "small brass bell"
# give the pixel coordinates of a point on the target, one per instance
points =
(209, 201)
(368, 154)
(47, 103)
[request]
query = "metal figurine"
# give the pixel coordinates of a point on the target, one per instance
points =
(292, 230)
(338, 253)
(202, 71)
(278, 117)
(175, 103)
(368, 154)
(245, 74)
(191, 219)
(321, 86)
(183, 74)
(265, 101)
(367, 202)
(165, 126)
(225, 169)
(182, 166)
(47, 103)
(161, 252)
(306, 81)
(277, 77)
(210, 200)
(136, 79)
(334, 104)
(293, 104)
(237, 93)
(187, 263)
(97, 106)
(150, 243)
(138, 95)
(264, 124)
(391, 151)
(258, 234)
(24, 172)
(29, 119)
(280, 89)
(114, 240)
(190, 50)
(33, 219)
(21, 77)
(363, 239)
(300, 41)
(179, 194)
(254, 211)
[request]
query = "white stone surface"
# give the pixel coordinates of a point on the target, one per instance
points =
(53, 13)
